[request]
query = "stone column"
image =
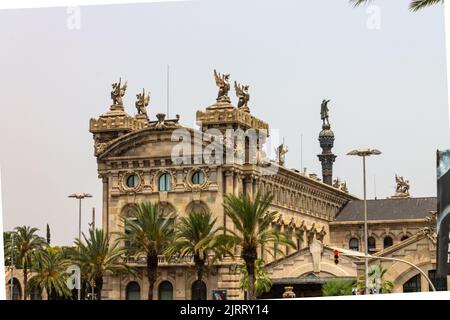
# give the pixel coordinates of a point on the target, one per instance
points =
(105, 204)
(236, 188)
(255, 185)
(229, 189)
(249, 186)
(424, 285)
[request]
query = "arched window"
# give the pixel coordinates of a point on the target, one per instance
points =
(133, 291)
(165, 291)
(404, 237)
(165, 182)
(353, 244)
(371, 244)
(35, 294)
(196, 206)
(412, 285)
(440, 282)
(17, 290)
(198, 177)
(198, 290)
(387, 242)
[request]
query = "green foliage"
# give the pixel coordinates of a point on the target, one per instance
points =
(50, 273)
(148, 230)
(376, 279)
(414, 5)
(48, 235)
(338, 287)
(149, 234)
(252, 222)
(97, 258)
(195, 235)
(263, 282)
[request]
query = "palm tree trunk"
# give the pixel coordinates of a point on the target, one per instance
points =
(25, 280)
(152, 266)
(251, 280)
(200, 266)
(98, 287)
(249, 256)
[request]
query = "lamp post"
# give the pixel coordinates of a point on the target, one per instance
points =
(79, 196)
(365, 153)
(12, 268)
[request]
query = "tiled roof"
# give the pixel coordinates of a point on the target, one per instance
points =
(388, 209)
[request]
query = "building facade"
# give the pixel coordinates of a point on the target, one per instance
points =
(141, 159)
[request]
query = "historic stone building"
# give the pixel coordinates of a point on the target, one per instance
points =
(137, 162)
(141, 159)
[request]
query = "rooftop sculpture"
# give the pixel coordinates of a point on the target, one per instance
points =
(242, 94)
(142, 102)
(402, 188)
(117, 92)
(222, 82)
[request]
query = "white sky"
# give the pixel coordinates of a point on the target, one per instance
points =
(387, 87)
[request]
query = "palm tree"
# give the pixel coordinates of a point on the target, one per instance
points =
(376, 279)
(27, 243)
(50, 267)
(98, 258)
(149, 234)
(337, 287)
(253, 228)
(414, 5)
(196, 236)
(263, 283)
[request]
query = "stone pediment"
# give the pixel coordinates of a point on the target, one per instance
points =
(302, 263)
(152, 141)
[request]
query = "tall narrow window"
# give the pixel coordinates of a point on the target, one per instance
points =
(439, 282)
(198, 290)
(412, 285)
(165, 182)
(133, 291)
(387, 242)
(165, 291)
(353, 244)
(371, 244)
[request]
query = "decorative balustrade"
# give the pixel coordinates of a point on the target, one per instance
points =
(189, 259)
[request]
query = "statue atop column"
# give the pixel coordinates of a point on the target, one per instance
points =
(324, 112)
(141, 103)
(222, 82)
(117, 92)
(243, 95)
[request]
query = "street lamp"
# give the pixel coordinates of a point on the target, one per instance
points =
(365, 153)
(12, 268)
(80, 196)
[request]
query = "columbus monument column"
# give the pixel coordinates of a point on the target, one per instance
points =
(326, 140)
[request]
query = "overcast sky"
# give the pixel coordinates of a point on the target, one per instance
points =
(383, 68)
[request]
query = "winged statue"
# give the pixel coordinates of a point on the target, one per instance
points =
(402, 185)
(118, 91)
(281, 152)
(142, 102)
(222, 82)
(242, 94)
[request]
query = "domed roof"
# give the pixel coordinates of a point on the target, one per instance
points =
(326, 132)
